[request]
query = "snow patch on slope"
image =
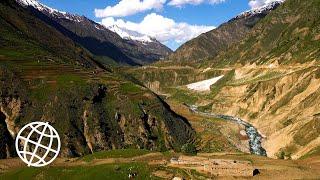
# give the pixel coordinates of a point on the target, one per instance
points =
(204, 85)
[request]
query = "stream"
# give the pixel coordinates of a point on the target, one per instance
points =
(252, 133)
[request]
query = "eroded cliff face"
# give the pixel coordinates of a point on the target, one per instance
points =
(91, 117)
(10, 110)
(6, 145)
(282, 102)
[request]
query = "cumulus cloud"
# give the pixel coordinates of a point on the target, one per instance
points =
(259, 3)
(162, 28)
(129, 7)
(179, 3)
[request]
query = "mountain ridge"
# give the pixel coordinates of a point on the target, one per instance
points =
(268, 7)
(131, 35)
(101, 41)
(281, 38)
(210, 44)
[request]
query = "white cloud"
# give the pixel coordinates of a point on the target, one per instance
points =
(129, 7)
(162, 28)
(179, 3)
(259, 3)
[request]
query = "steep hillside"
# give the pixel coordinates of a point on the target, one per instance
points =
(98, 39)
(45, 76)
(22, 34)
(280, 101)
(290, 34)
(209, 44)
(271, 80)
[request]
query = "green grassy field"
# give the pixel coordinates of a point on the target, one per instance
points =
(119, 153)
(107, 171)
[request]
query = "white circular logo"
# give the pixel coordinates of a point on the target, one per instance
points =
(38, 144)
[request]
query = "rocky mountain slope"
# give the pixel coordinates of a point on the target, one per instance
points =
(271, 79)
(46, 76)
(280, 101)
(98, 39)
(209, 44)
(288, 35)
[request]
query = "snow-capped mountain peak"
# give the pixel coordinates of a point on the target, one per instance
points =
(268, 7)
(131, 35)
(134, 41)
(39, 6)
(45, 9)
(122, 32)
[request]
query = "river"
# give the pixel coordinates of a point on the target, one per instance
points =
(254, 136)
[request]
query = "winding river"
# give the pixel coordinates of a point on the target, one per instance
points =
(252, 133)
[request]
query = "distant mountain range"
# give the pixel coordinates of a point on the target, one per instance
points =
(108, 43)
(209, 44)
(131, 35)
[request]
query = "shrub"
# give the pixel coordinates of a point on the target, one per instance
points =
(189, 149)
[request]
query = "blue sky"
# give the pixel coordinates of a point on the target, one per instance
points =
(171, 24)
